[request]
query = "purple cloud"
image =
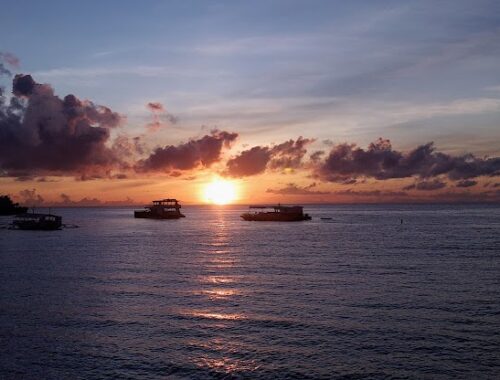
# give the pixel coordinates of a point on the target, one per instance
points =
(195, 153)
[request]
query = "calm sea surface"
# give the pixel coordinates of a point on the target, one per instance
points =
(212, 296)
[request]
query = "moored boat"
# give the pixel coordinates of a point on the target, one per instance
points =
(35, 221)
(277, 213)
(161, 209)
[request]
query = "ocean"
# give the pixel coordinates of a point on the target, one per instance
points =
(210, 296)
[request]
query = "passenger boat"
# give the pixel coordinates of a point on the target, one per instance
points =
(277, 213)
(33, 221)
(161, 209)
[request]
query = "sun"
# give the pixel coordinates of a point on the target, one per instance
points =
(220, 192)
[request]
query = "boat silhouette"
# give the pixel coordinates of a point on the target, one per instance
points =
(161, 209)
(37, 221)
(277, 213)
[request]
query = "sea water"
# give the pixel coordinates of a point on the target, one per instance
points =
(378, 291)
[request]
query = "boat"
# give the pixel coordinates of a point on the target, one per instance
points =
(161, 209)
(7, 207)
(277, 213)
(35, 221)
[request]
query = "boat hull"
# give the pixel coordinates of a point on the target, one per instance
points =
(274, 217)
(41, 226)
(151, 215)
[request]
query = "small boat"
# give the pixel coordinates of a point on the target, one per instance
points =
(326, 218)
(33, 221)
(161, 209)
(277, 213)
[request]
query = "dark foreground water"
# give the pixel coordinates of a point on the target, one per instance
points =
(211, 296)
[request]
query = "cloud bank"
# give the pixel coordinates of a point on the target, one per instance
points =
(196, 153)
(42, 133)
(256, 160)
(348, 162)
(293, 189)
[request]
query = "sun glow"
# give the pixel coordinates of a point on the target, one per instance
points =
(220, 192)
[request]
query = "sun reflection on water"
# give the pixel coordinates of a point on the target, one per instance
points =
(219, 293)
(219, 286)
(217, 316)
(214, 279)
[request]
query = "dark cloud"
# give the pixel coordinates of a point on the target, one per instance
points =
(41, 133)
(466, 183)
(381, 161)
(155, 107)
(434, 184)
(24, 85)
(128, 149)
(293, 189)
(249, 162)
(175, 173)
(287, 155)
(316, 156)
(202, 152)
(45, 179)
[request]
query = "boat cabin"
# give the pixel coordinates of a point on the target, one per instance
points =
(168, 208)
(34, 221)
(277, 213)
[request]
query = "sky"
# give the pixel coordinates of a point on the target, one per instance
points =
(122, 102)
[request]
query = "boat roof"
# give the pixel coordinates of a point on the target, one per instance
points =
(273, 206)
(166, 200)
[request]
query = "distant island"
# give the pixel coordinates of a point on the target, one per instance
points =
(7, 207)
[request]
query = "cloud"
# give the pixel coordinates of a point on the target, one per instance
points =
(66, 201)
(41, 133)
(10, 60)
(196, 153)
(155, 107)
(30, 197)
(434, 184)
(161, 117)
(346, 162)
(256, 160)
(466, 183)
(293, 189)
(371, 193)
(249, 162)
(316, 156)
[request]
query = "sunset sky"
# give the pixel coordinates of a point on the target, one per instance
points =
(120, 102)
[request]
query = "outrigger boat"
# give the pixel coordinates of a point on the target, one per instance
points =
(161, 209)
(277, 213)
(32, 221)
